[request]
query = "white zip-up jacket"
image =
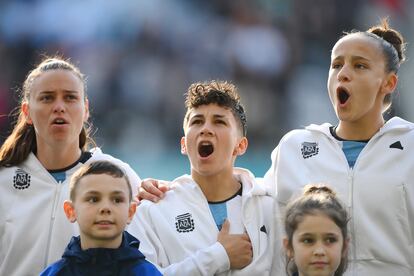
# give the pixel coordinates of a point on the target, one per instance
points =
(179, 235)
(34, 230)
(378, 190)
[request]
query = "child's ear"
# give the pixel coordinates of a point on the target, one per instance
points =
(288, 249)
(131, 211)
(25, 110)
(183, 147)
(69, 210)
(241, 146)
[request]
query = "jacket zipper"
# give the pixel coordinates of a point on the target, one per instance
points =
(350, 203)
(350, 213)
(351, 176)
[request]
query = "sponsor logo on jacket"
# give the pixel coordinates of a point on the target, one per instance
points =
(184, 223)
(21, 180)
(309, 149)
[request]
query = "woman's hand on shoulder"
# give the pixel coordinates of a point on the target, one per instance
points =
(152, 189)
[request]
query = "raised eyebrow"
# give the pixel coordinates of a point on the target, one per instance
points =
(337, 58)
(197, 116)
(359, 58)
(92, 193)
(215, 116)
(331, 234)
(118, 193)
(353, 58)
(53, 92)
(46, 92)
(71, 92)
(306, 235)
(221, 117)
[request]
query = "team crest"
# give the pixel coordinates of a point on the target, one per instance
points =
(184, 223)
(309, 149)
(21, 180)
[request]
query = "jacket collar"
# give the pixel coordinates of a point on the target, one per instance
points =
(127, 251)
(246, 177)
(394, 124)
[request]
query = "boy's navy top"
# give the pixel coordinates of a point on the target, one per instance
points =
(125, 260)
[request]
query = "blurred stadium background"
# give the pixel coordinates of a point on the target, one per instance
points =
(141, 55)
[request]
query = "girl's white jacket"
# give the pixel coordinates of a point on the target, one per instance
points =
(179, 235)
(34, 230)
(378, 191)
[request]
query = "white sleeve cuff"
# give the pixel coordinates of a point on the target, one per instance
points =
(220, 257)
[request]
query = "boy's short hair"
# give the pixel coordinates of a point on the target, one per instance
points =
(222, 93)
(97, 167)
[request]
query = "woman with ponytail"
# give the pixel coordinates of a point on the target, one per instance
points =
(49, 142)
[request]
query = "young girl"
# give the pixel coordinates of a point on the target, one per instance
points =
(48, 143)
(316, 234)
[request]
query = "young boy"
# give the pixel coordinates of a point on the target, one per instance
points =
(214, 221)
(101, 203)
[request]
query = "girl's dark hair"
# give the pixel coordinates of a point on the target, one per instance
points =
(22, 140)
(316, 199)
(393, 47)
(392, 44)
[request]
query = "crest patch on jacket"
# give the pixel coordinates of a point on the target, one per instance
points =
(309, 149)
(184, 223)
(21, 180)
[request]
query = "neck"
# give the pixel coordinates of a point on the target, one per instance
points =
(217, 187)
(359, 130)
(54, 158)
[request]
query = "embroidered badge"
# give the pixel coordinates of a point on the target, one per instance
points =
(184, 223)
(21, 180)
(309, 149)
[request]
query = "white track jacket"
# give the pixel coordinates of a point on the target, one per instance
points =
(179, 235)
(34, 230)
(378, 190)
